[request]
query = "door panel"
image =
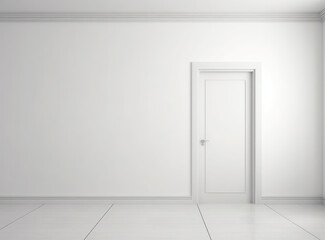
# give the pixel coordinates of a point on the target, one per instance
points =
(225, 129)
(225, 125)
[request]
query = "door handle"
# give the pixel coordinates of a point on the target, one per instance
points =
(204, 141)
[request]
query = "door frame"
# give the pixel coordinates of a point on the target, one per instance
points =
(255, 69)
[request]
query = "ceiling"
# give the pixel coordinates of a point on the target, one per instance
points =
(216, 6)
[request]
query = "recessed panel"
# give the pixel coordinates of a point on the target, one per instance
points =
(225, 116)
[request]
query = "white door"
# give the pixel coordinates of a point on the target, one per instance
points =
(224, 131)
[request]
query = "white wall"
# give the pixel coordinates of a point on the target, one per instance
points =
(103, 109)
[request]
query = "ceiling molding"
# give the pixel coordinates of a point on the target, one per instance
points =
(323, 15)
(148, 17)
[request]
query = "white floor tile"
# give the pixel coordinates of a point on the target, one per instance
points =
(11, 212)
(249, 222)
(168, 222)
(150, 222)
(309, 217)
(56, 222)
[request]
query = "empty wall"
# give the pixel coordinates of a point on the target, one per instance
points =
(103, 109)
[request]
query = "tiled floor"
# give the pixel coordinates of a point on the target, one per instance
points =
(150, 222)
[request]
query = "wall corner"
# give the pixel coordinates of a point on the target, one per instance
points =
(323, 19)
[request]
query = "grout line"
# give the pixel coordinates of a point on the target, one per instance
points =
(292, 222)
(98, 221)
(22, 216)
(206, 227)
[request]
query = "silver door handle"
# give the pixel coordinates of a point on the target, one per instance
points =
(203, 141)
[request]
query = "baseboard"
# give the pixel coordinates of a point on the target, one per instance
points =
(155, 16)
(146, 200)
(83, 199)
(292, 200)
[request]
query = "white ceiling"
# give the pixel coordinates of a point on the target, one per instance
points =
(217, 6)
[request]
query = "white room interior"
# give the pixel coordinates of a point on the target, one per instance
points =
(96, 106)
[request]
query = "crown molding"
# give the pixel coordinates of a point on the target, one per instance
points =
(322, 14)
(158, 17)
